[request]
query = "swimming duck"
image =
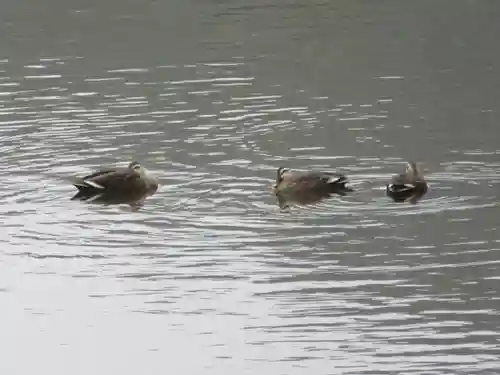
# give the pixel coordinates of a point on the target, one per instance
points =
(409, 185)
(307, 187)
(116, 185)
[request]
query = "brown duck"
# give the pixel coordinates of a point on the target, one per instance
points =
(410, 185)
(307, 187)
(115, 185)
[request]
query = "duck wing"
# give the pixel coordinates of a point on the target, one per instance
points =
(400, 188)
(118, 179)
(311, 181)
(334, 178)
(400, 184)
(101, 172)
(314, 178)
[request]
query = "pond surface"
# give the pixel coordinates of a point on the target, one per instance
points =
(210, 276)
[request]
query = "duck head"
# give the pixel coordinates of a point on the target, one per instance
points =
(279, 177)
(135, 166)
(413, 172)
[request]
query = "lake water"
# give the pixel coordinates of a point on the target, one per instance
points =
(210, 276)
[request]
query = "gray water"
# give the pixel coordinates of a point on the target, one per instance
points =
(210, 276)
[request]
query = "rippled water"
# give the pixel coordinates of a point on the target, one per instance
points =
(210, 276)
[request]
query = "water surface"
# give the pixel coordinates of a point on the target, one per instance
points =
(210, 275)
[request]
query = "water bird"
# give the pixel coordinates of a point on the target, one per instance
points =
(116, 185)
(307, 187)
(410, 185)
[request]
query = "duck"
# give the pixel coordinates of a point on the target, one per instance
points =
(410, 185)
(307, 187)
(116, 185)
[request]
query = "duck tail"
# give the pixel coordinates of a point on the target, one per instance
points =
(85, 191)
(339, 185)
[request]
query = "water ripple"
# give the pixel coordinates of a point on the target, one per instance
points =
(359, 280)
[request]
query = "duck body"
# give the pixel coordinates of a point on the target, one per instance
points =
(308, 186)
(116, 184)
(410, 185)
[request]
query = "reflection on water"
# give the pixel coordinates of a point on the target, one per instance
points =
(213, 98)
